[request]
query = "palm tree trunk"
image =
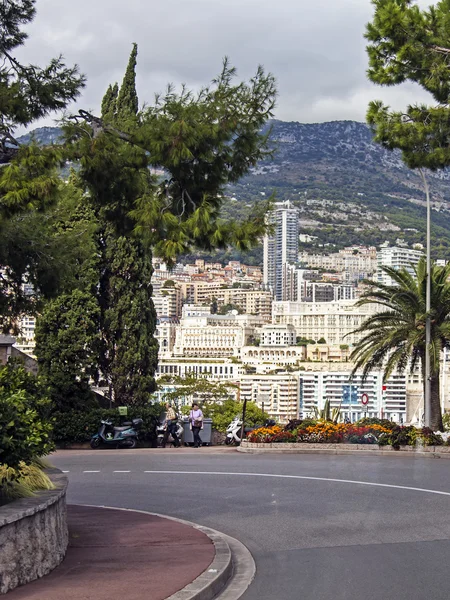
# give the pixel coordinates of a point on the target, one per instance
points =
(435, 404)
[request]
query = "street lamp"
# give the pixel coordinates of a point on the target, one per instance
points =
(427, 394)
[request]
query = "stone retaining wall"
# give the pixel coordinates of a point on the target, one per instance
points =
(372, 450)
(33, 535)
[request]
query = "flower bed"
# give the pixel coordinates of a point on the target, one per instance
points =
(324, 432)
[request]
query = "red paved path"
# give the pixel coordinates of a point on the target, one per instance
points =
(120, 554)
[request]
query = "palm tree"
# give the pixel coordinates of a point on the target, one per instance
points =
(395, 337)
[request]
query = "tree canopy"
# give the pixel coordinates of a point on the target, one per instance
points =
(29, 182)
(410, 44)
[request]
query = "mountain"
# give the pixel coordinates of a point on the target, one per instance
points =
(42, 135)
(348, 189)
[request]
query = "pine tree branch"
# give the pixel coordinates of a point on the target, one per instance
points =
(98, 126)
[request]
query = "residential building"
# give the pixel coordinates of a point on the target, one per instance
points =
(302, 285)
(332, 321)
(167, 300)
(280, 246)
(396, 257)
(251, 302)
(277, 394)
(277, 335)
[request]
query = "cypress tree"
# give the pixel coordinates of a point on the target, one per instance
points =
(109, 103)
(128, 350)
(127, 99)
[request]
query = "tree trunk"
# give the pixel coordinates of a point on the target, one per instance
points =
(435, 408)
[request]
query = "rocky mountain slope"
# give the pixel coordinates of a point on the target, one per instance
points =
(349, 190)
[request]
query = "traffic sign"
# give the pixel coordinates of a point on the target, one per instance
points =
(364, 399)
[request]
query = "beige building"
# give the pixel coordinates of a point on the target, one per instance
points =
(168, 301)
(251, 302)
(350, 259)
(331, 321)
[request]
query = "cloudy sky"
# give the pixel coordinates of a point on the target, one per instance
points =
(315, 48)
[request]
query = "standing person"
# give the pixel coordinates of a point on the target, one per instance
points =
(171, 427)
(196, 420)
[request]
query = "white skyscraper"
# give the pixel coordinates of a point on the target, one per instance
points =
(281, 245)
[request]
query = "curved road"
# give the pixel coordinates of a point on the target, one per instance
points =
(314, 530)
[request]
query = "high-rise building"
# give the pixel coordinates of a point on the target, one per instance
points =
(397, 257)
(280, 245)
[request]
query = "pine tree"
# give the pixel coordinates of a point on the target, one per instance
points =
(67, 342)
(203, 142)
(28, 178)
(407, 43)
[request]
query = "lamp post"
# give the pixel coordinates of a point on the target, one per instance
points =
(427, 388)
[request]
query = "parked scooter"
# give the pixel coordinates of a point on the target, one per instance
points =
(234, 430)
(161, 429)
(125, 436)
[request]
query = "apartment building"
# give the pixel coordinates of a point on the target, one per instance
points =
(397, 257)
(332, 321)
(280, 246)
(251, 302)
(277, 335)
(167, 301)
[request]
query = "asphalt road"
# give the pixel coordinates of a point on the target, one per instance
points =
(314, 530)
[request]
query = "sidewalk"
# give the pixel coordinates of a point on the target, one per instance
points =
(120, 554)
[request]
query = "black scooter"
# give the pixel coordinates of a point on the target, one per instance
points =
(125, 436)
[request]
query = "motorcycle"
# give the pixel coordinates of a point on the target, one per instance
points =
(234, 430)
(161, 430)
(125, 436)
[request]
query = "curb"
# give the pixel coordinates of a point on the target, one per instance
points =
(410, 452)
(211, 582)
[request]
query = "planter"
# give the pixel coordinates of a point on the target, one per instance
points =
(368, 449)
(33, 535)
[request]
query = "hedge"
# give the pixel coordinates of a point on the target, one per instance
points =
(78, 426)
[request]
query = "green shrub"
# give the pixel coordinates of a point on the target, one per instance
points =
(365, 421)
(25, 426)
(429, 438)
(223, 414)
(23, 481)
(399, 436)
(77, 426)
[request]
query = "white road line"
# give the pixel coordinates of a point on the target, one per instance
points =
(91, 471)
(121, 471)
(351, 481)
(66, 471)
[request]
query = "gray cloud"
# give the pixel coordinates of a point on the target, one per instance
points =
(314, 48)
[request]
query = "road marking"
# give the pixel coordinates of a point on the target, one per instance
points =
(351, 481)
(121, 471)
(91, 471)
(66, 471)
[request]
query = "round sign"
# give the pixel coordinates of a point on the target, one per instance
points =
(364, 399)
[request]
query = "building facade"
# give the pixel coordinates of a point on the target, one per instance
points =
(280, 246)
(397, 257)
(334, 322)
